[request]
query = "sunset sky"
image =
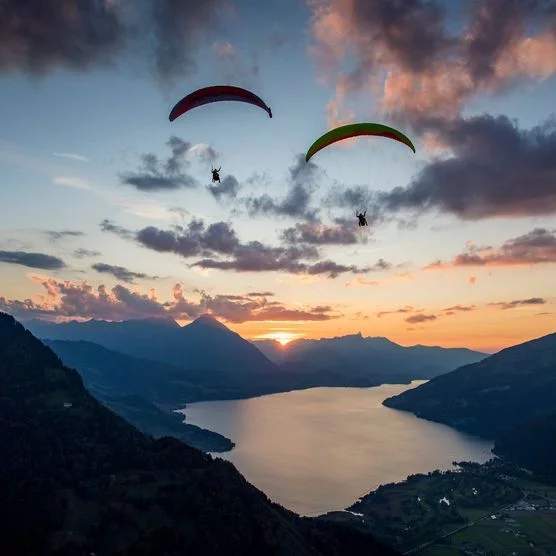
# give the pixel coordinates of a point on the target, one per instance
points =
(106, 209)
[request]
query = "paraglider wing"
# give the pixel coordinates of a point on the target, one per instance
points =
(216, 94)
(354, 130)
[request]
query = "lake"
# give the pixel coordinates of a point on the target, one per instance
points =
(319, 450)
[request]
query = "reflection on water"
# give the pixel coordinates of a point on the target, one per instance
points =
(319, 450)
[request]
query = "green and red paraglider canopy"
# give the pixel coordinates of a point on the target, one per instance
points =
(354, 130)
(216, 93)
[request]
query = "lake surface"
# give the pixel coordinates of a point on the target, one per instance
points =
(319, 450)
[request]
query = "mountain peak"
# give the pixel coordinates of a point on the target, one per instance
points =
(208, 320)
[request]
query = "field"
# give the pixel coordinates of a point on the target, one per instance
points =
(522, 533)
(450, 513)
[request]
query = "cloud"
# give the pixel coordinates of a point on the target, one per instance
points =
(228, 187)
(58, 235)
(260, 294)
(72, 156)
(67, 181)
(108, 226)
(296, 203)
(192, 240)
(256, 257)
(81, 300)
(32, 260)
(406, 309)
(205, 152)
(518, 303)
(155, 175)
(219, 239)
(81, 35)
(497, 170)
(234, 68)
(458, 309)
(419, 318)
(81, 253)
(320, 234)
(178, 28)
(535, 247)
(121, 273)
(423, 67)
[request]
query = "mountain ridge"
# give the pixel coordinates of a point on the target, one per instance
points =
(492, 396)
(112, 490)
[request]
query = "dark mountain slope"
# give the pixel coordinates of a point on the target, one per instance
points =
(190, 347)
(532, 445)
(493, 396)
(77, 479)
(355, 356)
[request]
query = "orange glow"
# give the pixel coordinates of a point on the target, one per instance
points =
(282, 338)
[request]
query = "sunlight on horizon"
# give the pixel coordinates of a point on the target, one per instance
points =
(283, 338)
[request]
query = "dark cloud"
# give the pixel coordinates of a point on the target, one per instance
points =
(431, 66)
(219, 239)
(81, 300)
(155, 175)
(32, 260)
(82, 34)
(254, 256)
(121, 273)
(496, 170)
(81, 253)
(419, 318)
(458, 309)
(108, 226)
(178, 27)
(519, 303)
(320, 234)
(260, 294)
(495, 25)
(58, 235)
(228, 187)
(535, 247)
(192, 240)
(297, 202)
(406, 309)
(411, 31)
(38, 36)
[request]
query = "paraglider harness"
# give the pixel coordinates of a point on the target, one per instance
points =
(362, 219)
(215, 174)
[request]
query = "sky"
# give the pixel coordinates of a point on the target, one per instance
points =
(108, 210)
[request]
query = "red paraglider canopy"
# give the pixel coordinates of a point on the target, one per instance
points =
(215, 94)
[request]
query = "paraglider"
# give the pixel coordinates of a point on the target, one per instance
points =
(362, 219)
(216, 93)
(215, 174)
(354, 130)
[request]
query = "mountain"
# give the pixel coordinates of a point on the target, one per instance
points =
(119, 373)
(188, 347)
(493, 396)
(355, 356)
(532, 445)
(135, 388)
(78, 479)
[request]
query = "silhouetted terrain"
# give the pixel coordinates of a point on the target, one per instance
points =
(533, 446)
(132, 387)
(236, 368)
(204, 344)
(76, 478)
(357, 357)
(509, 397)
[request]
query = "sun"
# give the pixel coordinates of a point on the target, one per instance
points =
(283, 338)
